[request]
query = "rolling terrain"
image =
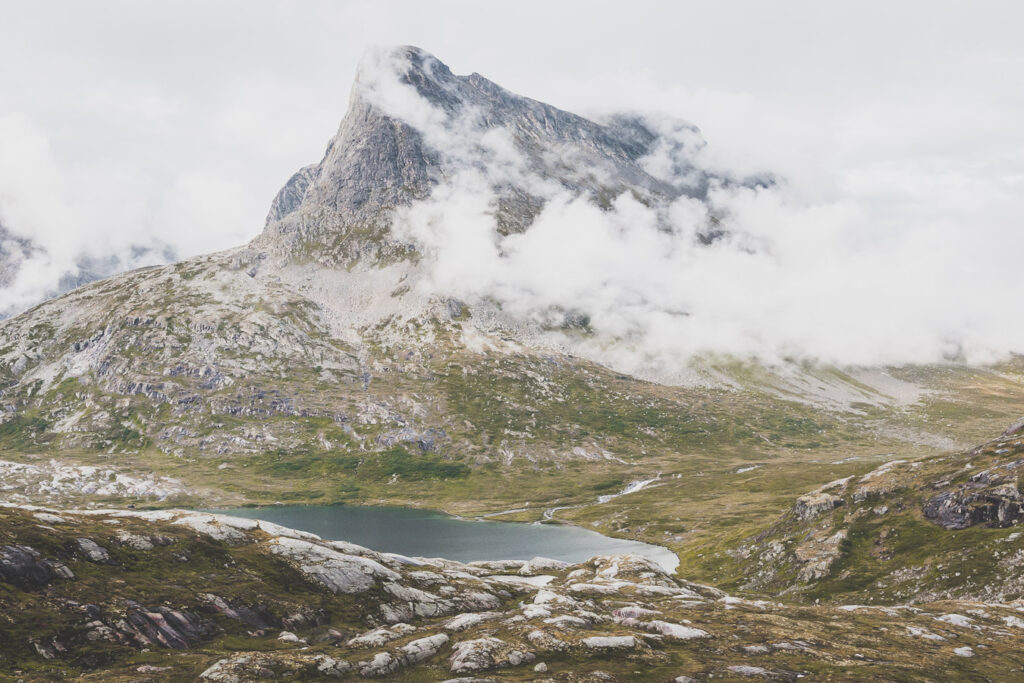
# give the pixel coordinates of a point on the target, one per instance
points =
(321, 364)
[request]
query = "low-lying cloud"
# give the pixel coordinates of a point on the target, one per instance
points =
(892, 235)
(895, 268)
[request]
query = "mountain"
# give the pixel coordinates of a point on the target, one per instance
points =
(413, 125)
(321, 364)
(316, 364)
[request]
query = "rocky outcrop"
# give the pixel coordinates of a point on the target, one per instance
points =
(408, 655)
(250, 666)
(485, 654)
(177, 629)
(21, 565)
(984, 500)
(94, 552)
(817, 555)
(336, 571)
(813, 504)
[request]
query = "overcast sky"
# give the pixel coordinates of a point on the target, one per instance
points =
(176, 122)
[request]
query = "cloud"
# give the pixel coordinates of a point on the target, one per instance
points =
(898, 266)
(892, 238)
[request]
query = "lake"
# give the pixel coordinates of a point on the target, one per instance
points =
(426, 533)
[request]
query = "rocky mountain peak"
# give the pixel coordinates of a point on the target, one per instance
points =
(412, 125)
(426, 74)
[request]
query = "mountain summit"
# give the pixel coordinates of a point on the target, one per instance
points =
(412, 126)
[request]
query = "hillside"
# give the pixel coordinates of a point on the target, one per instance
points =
(120, 595)
(314, 366)
(933, 528)
(323, 363)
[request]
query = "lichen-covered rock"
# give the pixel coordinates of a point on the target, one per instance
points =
(813, 504)
(375, 638)
(219, 527)
(336, 571)
(610, 643)
(635, 612)
(94, 552)
(482, 654)
(962, 507)
(135, 541)
(468, 620)
(382, 664)
(540, 565)
(251, 666)
(665, 628)
(423, 648)
(49, 518)
(818, 554)
(408, 603)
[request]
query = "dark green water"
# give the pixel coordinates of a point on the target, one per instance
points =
(425, 533)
